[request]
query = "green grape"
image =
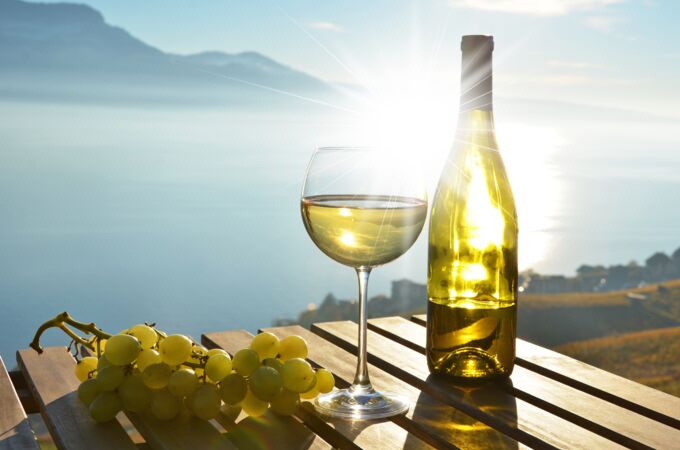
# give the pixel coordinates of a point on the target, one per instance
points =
(218, 367)
(297, 375)
(293, 346)
(286, 402)
(85, 367)
(324, 381)
(253, 406)
(310, 394)
(105, 407)
(265, 383)
(246, 361)
(175, 349)
(233, 388)
(110, 377)
(164, 405)
(274, 363)
(88, 390)
(122, 349)
(217, 351)
(198, 352)
(266, 345)
(312, 391)
(197, 348)
(182, 382)
(145, 334)
(102, 343)
(147, 357)
(231, 412)
(103, 362)
(186, 403)
(135, 395)
(312, 383)
(206, 402)
(184, 412)
(156, 376)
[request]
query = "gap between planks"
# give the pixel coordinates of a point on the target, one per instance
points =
(15, 430)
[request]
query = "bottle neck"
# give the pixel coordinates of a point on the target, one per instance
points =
(476, 81)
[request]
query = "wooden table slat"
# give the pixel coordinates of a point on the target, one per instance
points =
(588, 411)
(180, 433)
(615, 389)
(15, 431)
(429, 419)
(272, 430)
(492, 404)
(53, 383)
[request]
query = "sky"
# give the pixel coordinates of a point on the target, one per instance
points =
(615, 53)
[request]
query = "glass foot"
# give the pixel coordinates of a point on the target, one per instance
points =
(357, 404)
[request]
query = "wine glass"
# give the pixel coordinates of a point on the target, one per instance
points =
(363, 208)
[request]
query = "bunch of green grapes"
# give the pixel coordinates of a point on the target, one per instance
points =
(143, 370)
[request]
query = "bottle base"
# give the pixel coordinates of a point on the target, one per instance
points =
(470, 365)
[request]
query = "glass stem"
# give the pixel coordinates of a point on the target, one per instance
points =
(361, 380)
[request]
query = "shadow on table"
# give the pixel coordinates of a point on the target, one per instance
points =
(459, 428)
(270, 431)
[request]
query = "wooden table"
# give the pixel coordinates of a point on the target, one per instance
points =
(550, 401)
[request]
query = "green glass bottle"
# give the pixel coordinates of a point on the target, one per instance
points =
(472, 261)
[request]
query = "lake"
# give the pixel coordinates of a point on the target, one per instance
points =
(189, 216)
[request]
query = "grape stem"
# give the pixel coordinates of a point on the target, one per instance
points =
(61, 321)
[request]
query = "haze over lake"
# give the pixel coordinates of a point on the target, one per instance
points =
(176, 201)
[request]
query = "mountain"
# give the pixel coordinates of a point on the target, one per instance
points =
(68, 51)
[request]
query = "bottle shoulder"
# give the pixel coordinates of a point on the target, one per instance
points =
(474, 175)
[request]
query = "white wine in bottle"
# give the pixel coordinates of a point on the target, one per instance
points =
(472, 260)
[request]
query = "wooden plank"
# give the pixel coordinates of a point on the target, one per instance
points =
(179, 433)
(432, 421)
(271, 430)
(493, 404)
(15, 431)
(628, 394)
(612, 421)
(53, 383)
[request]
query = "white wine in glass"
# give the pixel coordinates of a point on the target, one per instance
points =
(363, 208)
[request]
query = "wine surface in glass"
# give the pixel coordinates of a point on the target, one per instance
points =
(363, 230)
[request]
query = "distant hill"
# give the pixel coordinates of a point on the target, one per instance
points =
(650, 357)
(545, 319)
(66, 51)
(555, 319)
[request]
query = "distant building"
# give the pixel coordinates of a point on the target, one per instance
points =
(407, 295)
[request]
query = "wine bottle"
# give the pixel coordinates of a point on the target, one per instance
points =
(472, 253)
